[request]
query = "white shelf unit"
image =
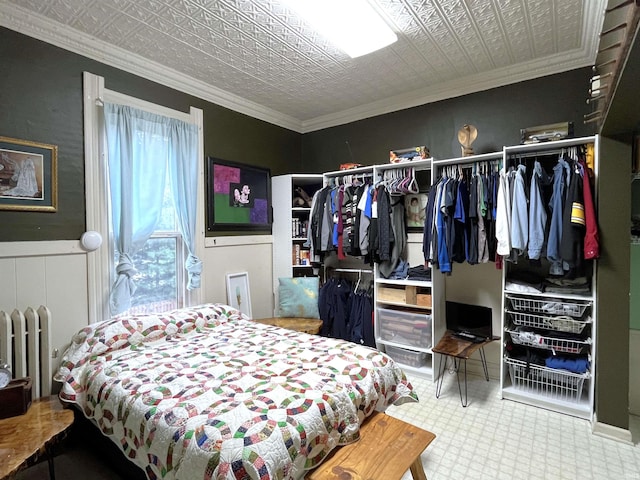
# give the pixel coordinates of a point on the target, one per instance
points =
(285, 236)
(405, 323)
(563, 323)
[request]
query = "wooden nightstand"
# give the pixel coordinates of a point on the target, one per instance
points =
(24, 438)
(306, 325)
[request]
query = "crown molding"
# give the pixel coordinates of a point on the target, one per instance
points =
(33, 25)
(454, 88)
(39, 27)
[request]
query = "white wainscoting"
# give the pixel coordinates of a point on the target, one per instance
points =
(53, 274)
(252, 254)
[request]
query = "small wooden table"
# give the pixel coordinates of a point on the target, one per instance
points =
(24, 438)
(459, 350)
(306, 325)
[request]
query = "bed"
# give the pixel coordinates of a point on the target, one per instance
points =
(205, 393)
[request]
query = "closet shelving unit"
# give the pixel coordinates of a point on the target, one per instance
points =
(556, 390)
(562, 323)
(404, 324)
(289, 227)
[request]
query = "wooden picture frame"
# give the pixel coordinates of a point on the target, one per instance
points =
(238, 293)
(239, 197)
(28, 175)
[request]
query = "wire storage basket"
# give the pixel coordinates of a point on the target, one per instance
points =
(559, 323)
(549, 306)
(545, 381)
(558, 345)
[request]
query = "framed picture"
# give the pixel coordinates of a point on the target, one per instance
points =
(28, 175)
(239, 197)
(238, 295)
(414, 210)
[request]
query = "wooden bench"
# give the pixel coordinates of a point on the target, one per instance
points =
(306, 325)
(387, 448)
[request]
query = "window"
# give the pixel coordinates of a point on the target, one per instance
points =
(162, 266)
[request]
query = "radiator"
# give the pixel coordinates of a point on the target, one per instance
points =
(25, 344)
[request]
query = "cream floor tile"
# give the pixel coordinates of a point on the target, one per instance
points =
(500, 439)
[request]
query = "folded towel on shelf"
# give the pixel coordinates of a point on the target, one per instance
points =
(578, 285)
(575, 365)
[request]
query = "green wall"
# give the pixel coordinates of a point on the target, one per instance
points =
(41, 98)
(634, 307)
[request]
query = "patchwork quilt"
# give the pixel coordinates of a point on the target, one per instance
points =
(205, 393)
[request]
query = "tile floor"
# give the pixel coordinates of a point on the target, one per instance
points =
(490, 439)
(494, 439)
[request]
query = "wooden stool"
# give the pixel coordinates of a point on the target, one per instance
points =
(387, 448)
(306, 325)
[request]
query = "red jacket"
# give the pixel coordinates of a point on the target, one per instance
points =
(591, 239)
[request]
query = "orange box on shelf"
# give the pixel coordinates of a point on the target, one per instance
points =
(423, 300)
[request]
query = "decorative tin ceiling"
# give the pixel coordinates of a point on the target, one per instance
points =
(256, 57)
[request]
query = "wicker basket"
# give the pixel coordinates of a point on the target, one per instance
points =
(548, 382)
(549, 306)
(562, 323)
(558, 345)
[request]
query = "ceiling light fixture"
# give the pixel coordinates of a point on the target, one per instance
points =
(352, 25)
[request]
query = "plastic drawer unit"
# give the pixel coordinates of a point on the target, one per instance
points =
(406, 328)
(407, 357)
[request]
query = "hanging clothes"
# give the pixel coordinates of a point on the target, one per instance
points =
(537, 212)
(561, 172)
(365, 214)
(346, 313)
(573, 224)
(332, 305)
(591, 238)
(519, 213)
(503, 215)
(427, 232)
(385, 230)
(472, 254)
(398, 238)
(460, 245)
(490, 224)
(483, 248)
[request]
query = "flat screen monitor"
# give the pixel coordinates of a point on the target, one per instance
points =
(474, 319)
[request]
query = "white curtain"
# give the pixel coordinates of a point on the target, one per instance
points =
(142, 148)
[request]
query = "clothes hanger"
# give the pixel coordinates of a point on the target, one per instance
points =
(413, 184)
